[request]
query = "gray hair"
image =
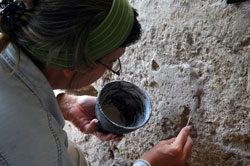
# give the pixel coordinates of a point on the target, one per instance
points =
(57, 25)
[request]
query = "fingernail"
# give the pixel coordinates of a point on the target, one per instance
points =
(189, 127)
(96, 121)
(98, 133)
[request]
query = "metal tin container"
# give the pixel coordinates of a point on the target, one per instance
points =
(121, 107)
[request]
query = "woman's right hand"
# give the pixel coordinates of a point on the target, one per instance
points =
(172, 152)
(80, 110)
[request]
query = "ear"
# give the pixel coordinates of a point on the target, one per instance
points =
(68, 73)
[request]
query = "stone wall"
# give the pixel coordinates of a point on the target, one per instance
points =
(186, 45)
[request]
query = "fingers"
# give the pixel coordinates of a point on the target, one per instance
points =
(182, 137)
(91, 127)
(170, 141)
(188, 148)
(104, 137)
(108, 137)
(117, 138)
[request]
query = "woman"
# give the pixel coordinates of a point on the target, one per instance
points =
(61, 44)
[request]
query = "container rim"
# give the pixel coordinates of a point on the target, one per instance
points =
(147, 104)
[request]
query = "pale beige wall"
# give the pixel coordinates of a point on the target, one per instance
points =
(187, 44)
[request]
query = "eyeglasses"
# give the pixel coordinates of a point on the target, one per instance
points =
(116, 68)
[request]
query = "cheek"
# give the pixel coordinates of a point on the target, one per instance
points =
(96, 74)
(86, 79)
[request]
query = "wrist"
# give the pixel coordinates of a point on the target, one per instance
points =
(149, 157)
(64, 101)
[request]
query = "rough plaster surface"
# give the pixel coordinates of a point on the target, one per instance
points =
(186, 45)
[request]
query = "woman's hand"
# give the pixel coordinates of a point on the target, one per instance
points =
(172, 152)
(80, 110)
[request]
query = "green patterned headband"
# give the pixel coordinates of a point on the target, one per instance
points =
(107, 37)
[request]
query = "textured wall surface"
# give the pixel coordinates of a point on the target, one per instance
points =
(186, 45)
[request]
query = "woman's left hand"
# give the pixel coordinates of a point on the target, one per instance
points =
(80, 110)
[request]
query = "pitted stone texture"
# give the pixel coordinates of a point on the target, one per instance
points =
(187, 45)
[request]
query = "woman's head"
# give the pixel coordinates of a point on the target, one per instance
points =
(64, 29)
(68, 79)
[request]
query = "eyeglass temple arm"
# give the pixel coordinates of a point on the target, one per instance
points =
(116, 72)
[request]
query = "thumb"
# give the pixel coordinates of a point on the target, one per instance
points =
(182, 136)
(91, 127)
